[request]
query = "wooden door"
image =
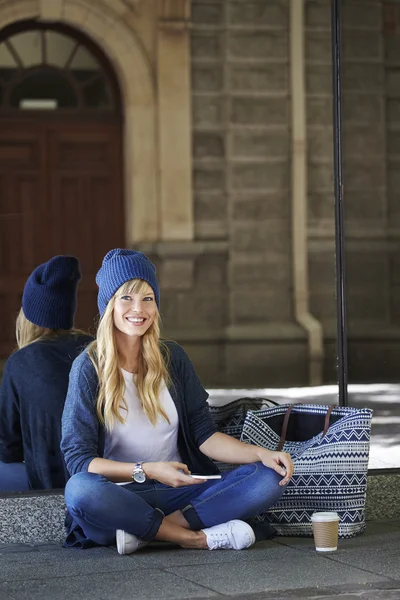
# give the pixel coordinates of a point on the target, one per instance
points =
(60, 193)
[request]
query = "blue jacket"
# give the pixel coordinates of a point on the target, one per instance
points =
(32, 396)
(83, 435)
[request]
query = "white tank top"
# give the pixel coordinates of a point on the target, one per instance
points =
(138, 440)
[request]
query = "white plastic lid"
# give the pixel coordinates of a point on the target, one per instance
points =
(324, 517)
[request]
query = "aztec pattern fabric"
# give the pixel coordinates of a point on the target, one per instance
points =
(330, 471)
(230, 417)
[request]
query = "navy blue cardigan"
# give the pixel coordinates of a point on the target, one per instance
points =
(83, 435)
(32, 396)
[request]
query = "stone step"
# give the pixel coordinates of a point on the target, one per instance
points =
(32, 517)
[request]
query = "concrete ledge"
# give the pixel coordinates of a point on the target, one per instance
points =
(32, 517)
(383, 494)
(29, 517)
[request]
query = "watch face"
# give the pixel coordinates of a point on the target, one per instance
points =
(139, 477)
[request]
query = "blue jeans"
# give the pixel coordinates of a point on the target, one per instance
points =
(13, 477)
(100, 506)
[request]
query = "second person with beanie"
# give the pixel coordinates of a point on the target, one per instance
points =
(35, 378)
(136, 426)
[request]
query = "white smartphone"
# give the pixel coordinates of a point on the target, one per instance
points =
(206, 476)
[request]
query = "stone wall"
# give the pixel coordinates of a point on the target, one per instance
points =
(371, 89)
(392, 107)
(227, 295)
(241, 146)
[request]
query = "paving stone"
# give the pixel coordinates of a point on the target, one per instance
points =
(71, 562)
(102, 586)
(365, 567)
(371, 591)
(366, 558)
(381, 536)
(298, 570)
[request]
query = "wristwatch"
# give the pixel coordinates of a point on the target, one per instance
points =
(138, 474)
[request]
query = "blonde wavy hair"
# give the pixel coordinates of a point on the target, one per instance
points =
(152, 371)
(27, 332)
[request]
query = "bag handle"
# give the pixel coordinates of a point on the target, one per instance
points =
(252, 400)
(286, 423)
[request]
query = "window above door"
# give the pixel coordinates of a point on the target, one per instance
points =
(43, 68)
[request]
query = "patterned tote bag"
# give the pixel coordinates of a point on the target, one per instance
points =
(230, 417)
(330, 450)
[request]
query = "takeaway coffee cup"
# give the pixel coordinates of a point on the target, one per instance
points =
(325, 527)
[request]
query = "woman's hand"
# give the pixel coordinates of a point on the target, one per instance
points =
(174, 474)
(281, 462)
(225, 448)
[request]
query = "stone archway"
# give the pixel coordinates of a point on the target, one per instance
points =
(106, 27)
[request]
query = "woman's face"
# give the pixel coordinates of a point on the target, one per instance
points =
(134, 313)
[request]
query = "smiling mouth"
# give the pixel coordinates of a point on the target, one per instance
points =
(136, 320)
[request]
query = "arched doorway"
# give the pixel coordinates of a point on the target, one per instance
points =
(60, 160)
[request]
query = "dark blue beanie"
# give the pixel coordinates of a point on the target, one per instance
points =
(120, 266)
(49, 298)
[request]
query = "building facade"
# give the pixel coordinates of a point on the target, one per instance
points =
(213, 155)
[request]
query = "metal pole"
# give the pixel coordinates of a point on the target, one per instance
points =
(339, 211)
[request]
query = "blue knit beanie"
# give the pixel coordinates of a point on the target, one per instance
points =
(49, 298)
(120, 266)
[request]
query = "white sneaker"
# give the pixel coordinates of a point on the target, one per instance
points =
(128, 543)
(234, 535)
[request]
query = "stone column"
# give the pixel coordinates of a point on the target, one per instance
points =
(392, 83)
(174, 112)
(264, 342)
(321, 228)
(365, 200)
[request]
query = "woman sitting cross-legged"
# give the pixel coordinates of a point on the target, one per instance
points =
(136, 425)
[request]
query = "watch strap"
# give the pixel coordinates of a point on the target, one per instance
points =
(138, 468)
